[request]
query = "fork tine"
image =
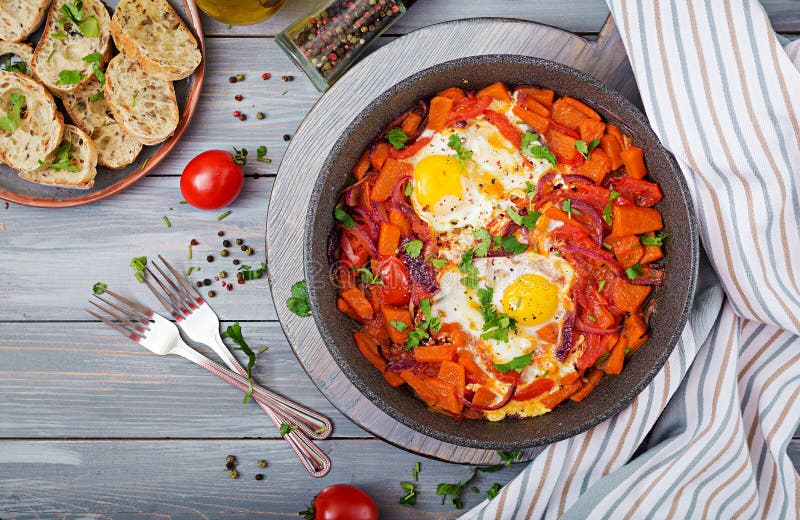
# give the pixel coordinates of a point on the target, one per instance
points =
(165, 301)
(131, 313)
(177, 304)
(121, 318)
(176, 293)
(190, 290)
(122, 330)
(144, 311)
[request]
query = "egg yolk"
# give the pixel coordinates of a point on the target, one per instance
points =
(531, 299)
(437, 178)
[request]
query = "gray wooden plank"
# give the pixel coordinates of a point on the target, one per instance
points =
(54, 257)
(187, 479)
(81, 380)
(582, 16)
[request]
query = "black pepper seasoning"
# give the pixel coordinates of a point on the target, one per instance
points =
(332, 37)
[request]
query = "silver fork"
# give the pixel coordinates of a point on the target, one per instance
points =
(200, 324)
(161, 336)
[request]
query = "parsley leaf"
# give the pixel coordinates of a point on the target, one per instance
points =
(398, 325)
(95, 58)
(138, 265)
(438, 263)
(509, 457)
(634, 271)
(495, 324)
(69, 77)
(468, 268)
(366, 276)
(517, 364)
(99, 288)
(74, 11)
(528, 221)
(261, 155)
(425, 307)
(585, 149)
(566, 206)
(411, 494)
(286, 429)
(12, 119)
(397, 138)
(298, 301)
(415, 336)
(63, 160)
(413, 248)
(248, 273)
(537, 151)
(530, 189)
(493, 491)
(234, 333)
(11, 66)
(343, 217)
(455, 143)
(512, 245)
(607, 211)
(657, 240)
(456, 490)
(97, 96)
(482, 248)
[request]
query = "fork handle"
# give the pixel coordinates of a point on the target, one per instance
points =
(310, 455)
(313, 424)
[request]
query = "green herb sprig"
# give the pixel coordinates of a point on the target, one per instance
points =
(298, 301)
(529, 145)
(397, 138)
(13, 117)
(234, 333)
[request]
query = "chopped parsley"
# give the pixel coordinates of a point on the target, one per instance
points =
(416, 471)
(634, 271)
(415, 336)
(166, 221)
(397, 138)
(529, 147)
(509, 244)
(495, 324)
(485, 240)
(261, 155)
(566, 206)
(87, 26)
(410, 497)
(509, 457)
(138, 264)
(234, 333)
(133, 98)
(585, 149)
(248, 273)
(527, 221)
(438, 263)
(95, 58)
(99, 288)
(517, 364)
(398, 325)
(62, 160)
(530, 189)
(466, 266)
(608, 213)
(69, 77)
(455, 143)
(456, 490)
(343, 217)
(657, 240)
(286, 429)
(366, 276)
(298, 301)
(13, 116)
(11, 66)
(413, 248)
(493, 491)
(408, 190)
(97, 96)
(601, 286)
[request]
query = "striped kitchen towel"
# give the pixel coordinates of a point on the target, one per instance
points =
(708, 437)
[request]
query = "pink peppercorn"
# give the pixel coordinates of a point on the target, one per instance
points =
(236, 113)
(238, 97)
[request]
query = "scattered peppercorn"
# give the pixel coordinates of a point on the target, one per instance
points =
(248, 251)
(206, 282)
(223, 274)
(234, 474)
(239, 241)
(236, 113)
(230, 458)
(198, 283)
(238, 97)
(242, 117)
(226, 243)
(259, 476)
(240, 77)
(266, 76)
(229, 287)
(233, 79)
(236, 261)
(243, 248)
(230, 464)
(260, 115)
(262, 463)
(286, 137)
(240, 278)
(284, 78)
(193, 242)
(220, 233)
(223, 252)
(211, 294)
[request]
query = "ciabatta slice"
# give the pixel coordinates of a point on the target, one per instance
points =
(72, 165)
(38, 130)
(151, 33)
(91, 113)
(60, 59)
(144, 106)
(19, 18)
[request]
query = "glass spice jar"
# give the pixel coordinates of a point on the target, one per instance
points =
(326, 42)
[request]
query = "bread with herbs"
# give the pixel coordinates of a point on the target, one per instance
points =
(72, 165)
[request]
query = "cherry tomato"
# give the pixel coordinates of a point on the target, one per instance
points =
(213, 179)
(341, 502)
(396, 282)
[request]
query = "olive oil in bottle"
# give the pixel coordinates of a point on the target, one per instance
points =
(240, 12)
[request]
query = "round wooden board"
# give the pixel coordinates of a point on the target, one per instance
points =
(109, 182)
(605, 59)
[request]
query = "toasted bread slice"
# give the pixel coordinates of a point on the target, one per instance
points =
(151, 33)
(16, 55)
(144, 106)
(115, 148)
(32, 129)
(63, 46)
(72, 165)
(19, 18)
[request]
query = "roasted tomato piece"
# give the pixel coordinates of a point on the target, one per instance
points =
(395, 290)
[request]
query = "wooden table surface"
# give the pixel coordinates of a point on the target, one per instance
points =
(93, 426)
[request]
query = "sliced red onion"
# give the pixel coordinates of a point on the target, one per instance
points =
(379, 212)
(402, 365)
(650, 277)
(398, 195)
(591, 218)
(585, 327)
(504, 401)
(597, 255)
(366, 219)
(352, 193)
(543, 182)
(347, 247)
(359, 233)
(573, 178)
(565, 345)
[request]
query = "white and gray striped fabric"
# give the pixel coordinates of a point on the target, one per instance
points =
(708, 437)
